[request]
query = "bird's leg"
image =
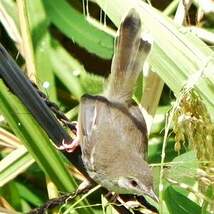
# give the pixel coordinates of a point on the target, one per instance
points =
(112, 197)
(64, 146)
(70, 146)
(85, 186)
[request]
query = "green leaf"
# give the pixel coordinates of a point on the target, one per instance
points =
(92, 84)
(74, 25)
(10, 7)
(65, 68)
(179, 204)
(139, 88)
(209, 194)
(183, 168)
(42, 46)
(14, 164)
(28, 194)
(34, 138)
(11, 194)
(155, 148)
(72, 73)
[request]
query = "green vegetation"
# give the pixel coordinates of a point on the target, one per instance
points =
(69, 45)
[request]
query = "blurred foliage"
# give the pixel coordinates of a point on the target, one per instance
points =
(73, 44)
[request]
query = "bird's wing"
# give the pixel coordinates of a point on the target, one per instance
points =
(107, 131)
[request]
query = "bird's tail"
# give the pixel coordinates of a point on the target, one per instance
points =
(130, 55)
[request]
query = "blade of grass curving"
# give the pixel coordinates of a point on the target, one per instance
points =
(14, 164)
(74, 25)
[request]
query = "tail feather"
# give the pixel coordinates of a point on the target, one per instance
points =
(130, 54)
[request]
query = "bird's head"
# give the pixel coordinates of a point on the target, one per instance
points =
(131, 177)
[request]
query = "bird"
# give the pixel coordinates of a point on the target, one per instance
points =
(111, 128)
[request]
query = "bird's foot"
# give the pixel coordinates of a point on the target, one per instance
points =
(69, 147)
(112, 197)
(72, 145)
(85, 186)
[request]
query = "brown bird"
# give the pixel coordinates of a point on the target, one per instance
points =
(111, 129)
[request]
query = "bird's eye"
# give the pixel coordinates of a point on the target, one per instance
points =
(133, 183)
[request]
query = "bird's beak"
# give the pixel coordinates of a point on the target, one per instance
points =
(152, 195)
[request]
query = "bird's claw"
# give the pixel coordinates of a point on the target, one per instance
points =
(68, 147)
